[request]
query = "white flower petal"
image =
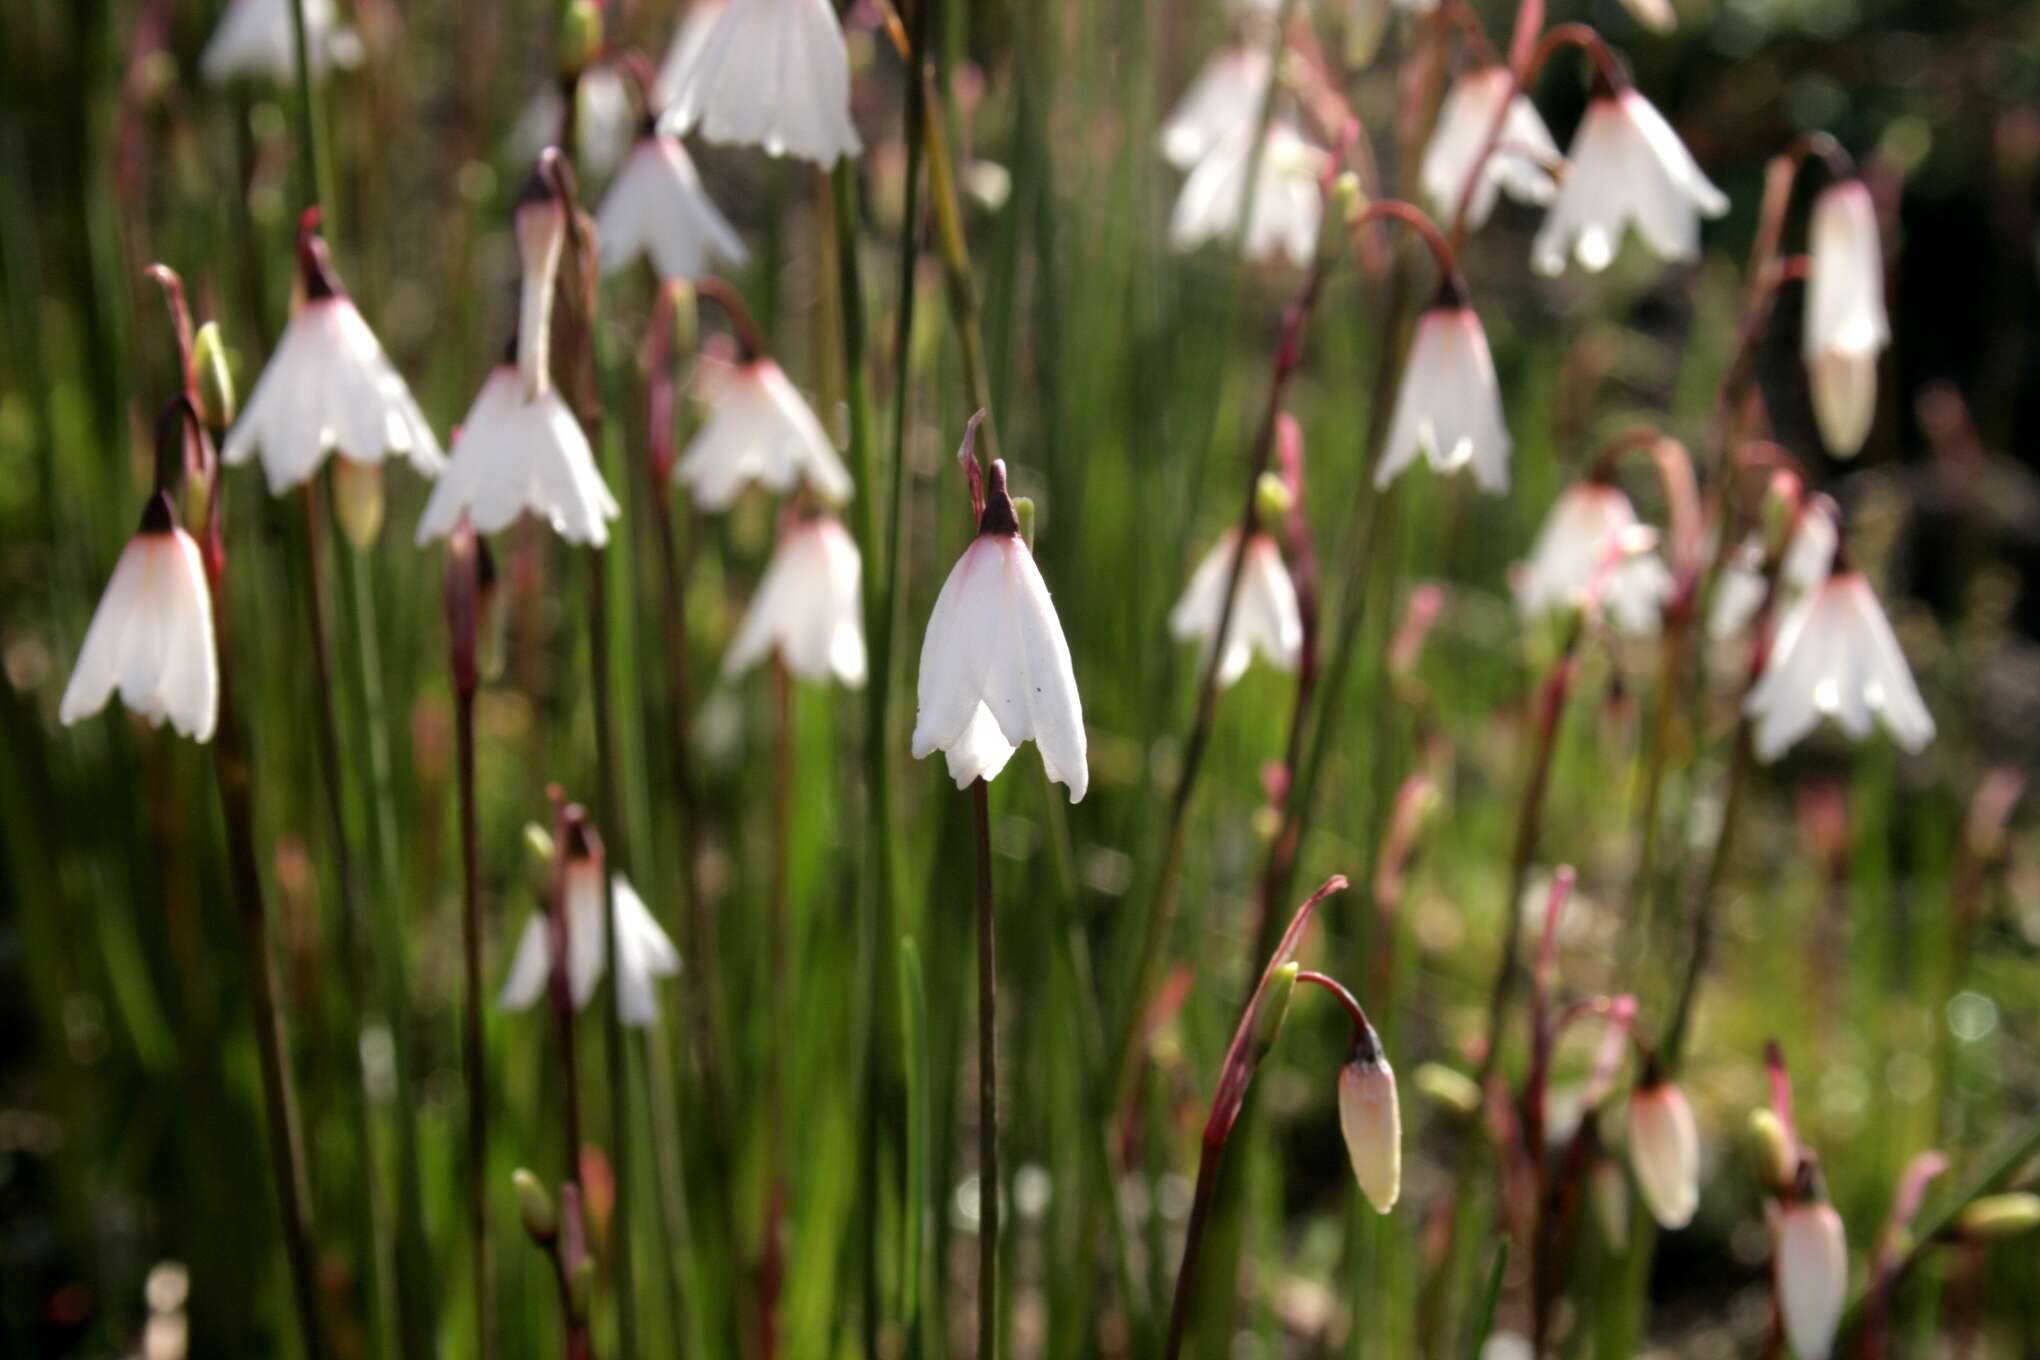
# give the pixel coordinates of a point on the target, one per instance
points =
(658, 209)
(1627, 168)
(644, 954)
(1813, 1277)
(807, 606)
(151, 637)
(513, 455)
(1449, 406)
(774, 74)
(759, 429)
(1664, 1149)
(1283, 213)
(1225, 97)
(530, 967)
(1517, 164)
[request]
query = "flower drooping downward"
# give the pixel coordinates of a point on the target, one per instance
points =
(1585, 546)
(644, 953)
(1449, 407)
(774, 74)
(1628, 168)
(1813, 1275)
(1517, 165)
(807, 607)
(1283, 211)
(690, 38)
(1265, 616)
(760, 429)
(1370, 1119)
(257, 39)
(1664, 1150)
(1836, 657)
(1846, 325)
(1223, 100)
(658, 209)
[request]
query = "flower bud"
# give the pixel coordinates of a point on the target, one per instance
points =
(1273, 501)
(1371, 1120)
(1449, 1087)
(1813, 1277)
(1995, 1217)
(358, 501)
(1771, 1149)
(1274, 1006)
(580, 36)
(535, 1206)
(1023, 510)
(209, 373)
(1608, 1190)
(1664, 1151)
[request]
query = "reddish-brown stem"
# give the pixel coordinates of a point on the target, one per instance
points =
(723, 295)
(463, 591)
(1363, 1031)
(1451, 282)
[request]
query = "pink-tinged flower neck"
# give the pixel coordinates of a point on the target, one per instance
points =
(315, 264)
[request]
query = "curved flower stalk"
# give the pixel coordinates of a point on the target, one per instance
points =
(256, 40)
(1836, 657)
(1284, 210)
(995, 668)
(644, 953)
(1223, 100)
(1449, 407)
(773, 74)
(328, 388)
(1628, 168)
(658, 209)
(1846, 326)
(1519, 163)
(760, 429)
(1589, 542)
(1265, 615)
(690, 37)
(807, 607)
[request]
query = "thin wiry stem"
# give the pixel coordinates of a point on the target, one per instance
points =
(988, 1084)
(463, 588)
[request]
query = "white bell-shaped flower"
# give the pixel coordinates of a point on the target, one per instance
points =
(1846, 326)
(1584, 546)
(807, 607)
(1627, 168)
(690, 37)
(1740, 593)
(1223, 101)
(1450, 406)
(1813, 1276)
(1520, 160)
(1370, 1120)
(774, 74)
(644, 952)
(1284, 211)
(995, 668)
(603, 123)
(1656, 15)
(1265, 617)
(658, 208)
(328, 388)
(257, 40)
(1664, 1150)
(151, 637)
(760, 429)
(1836, 657)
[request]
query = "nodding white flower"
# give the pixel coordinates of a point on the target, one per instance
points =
(1225, 97)
(1265, 617)
(775, 74)
(760, 429)
(1586, 541)
(1836, 657)
(1518, 162)
(1450, 406)
(697, 21)
(807, 607)
(1656, 15)
(1627, 168)
(257, 39)
(659, 209)
(603, 123)
(1283, 212)
(1846, 326)
(1808, 557)
(1664, 1150)
(1371, 1121)
(644, 953)
(1813, 1276)
(151, 637)
(520, 447)
(328, 388)
(995, 669)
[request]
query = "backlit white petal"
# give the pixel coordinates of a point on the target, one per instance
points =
(529, 967)
(1449, 406)
(1664, 1150)
(151, 639)
(1284, 210)
(1813, 1277)
(807, 607)
(690, 37)
(1370, 1119)
(1628, 168)
(657, 209)
(981, 752)
(1578, 540)
(1265, 617)
(513, 455)
(587, 929)
(644, 954)
(760, 429)
(774, 74)
(1656, 15)
(1517, 165)
(1836, 657)
(256, 39)
(1224, 99)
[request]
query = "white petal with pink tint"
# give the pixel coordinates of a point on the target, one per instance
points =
(1740, 592)
(151, 639)
(1628, 168)
(774, 74)
(1283, 212)
(1656, 15)
(1223, 101)
(1837, 658)
(1265, 617)
(644, 952)
(1582, 545)
(1370, 1119)
(1846, 326)
(761, 430)
(257, 39)
(1813, 1277)
(807, 608)
(690, 39)
(1449, 407)
(1518, 165)
(1664, 1151)
(658, 209)
(513, 455)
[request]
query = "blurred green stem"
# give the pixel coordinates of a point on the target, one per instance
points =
(988, 1084)
(463, 588)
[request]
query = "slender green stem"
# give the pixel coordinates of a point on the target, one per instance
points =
(462, 591)
(1671, 1048)
(988, 1084)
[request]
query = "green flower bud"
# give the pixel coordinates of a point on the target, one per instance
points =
(1273, 501)
(1771, 1149)
(581, 36)
(1023, 508)
(215, 383)
(1449, 1087)
(1995, 1217)
(535, 1206)
(1274, 1006)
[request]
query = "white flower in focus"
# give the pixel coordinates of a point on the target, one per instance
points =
(1370, 1118)
(1224, 99)
(1585, 542)
(644, 953)
(1740, 593)
(1813, 1277)
(774, 74)
(1449, 407)
(257, 39)
(690, 36)
(1627, 168)
(1265, 617)
(1285, 208)
(151, 638)
(602, 131)
(658, 208)
(995, 668)
(1846, 326)
(1836, 657)
(807, 607)
(1656, 15)
(328, 388)
(1517, 164)
(760, 429)
(1664, 1150)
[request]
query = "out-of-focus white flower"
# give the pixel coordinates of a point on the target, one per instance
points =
(1656, 15)
(151, 637)
(602, 131)
(1449, 407)
(1627, 168)
(658, 208)
(1587, 541)
(995, 668)
(1664, 1150)
(1813, 1276)
(1846, 326)
(1740, 594)
(774, 74)
(644, 953)
(690, 37)
(1520, 158)
(761, 430)
(807, 607)
(1223, 101)
(328, 388)
(1285, 207)
(1836, 657)
(1265, 617)
(1371, 1121)
(256, 39)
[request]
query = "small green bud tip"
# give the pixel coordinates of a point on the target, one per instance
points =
(1781, 505)
(535, 1206)
(539, 842)
(1771, 1148)
(1273, 501)
(1449, 1087)
(1023, 510)
(1349, 200)
(1996, 1217)
(215, 382)
(581, 1287)
(580, 36)
(1274, 1006)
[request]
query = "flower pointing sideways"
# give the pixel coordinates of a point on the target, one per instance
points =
(1265, 616)
(1518, 164)
(644, 953)
(995, 669)
(1628, 168)
(257, 39)
(1846, 326)
(1370, 1120)
(1588, 548)
(1224, 99)
(329, 388)
(151, 637)
(807, 607)
(658, 209)
(1283, 212)
(1664, 1149)
(1813, 1274)
(760, 429)
(520, 448)
(774, 74)
(1836, 657)
(1450, 406)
